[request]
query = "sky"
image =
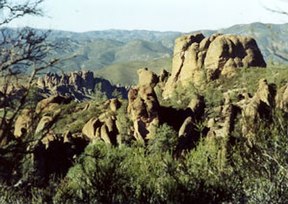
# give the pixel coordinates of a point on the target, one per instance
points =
(159, 15)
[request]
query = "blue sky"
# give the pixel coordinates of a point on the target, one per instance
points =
(162, 15)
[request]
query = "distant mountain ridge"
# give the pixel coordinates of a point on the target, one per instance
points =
(111, 51)
(266, 35)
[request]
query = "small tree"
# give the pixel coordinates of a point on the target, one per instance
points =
(20, 50)
(26, 52)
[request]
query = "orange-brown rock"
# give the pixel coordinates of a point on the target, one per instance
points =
(198, 59)
(143, 106)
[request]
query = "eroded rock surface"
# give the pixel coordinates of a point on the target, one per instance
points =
(199, 60)
(78, 85)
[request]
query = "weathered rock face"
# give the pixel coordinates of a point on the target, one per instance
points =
(143, 109)
(147, 78)
(198, 59)
(282, 98)
(43, 123)
(231, 51)
(249, 111)
(197, 105)
(90, 128)
(23, 123)
(143, 105)
(51, 103)
(78, 85)
(163, 76)
(224, 124)
(114, 104)
(80, 80)
(104, 127)
(257, 108)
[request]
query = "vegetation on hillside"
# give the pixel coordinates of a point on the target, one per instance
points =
(222, 142)
(215, 171)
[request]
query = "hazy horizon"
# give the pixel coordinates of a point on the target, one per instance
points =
(160, 15)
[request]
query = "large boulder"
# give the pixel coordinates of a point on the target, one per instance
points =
(231, 51)
(147, 78)
(51, 103)
(90, 128)
(23, 123)
(44, 123)
(103, 127)
(199, 60)
(143, 106)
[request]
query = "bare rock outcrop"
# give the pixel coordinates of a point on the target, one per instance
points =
(229, 52)
(103, 127)
(79, 85)
(282, 98)
(250, 110)
(147, 78)
(44, 123)
(114, 104)
(143, 105)
(51, 103)
(23, 123)
(257, 108)
(198, 59)
(80, 80)
(91, 127)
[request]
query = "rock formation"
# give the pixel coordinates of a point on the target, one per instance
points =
(250, 111)
(78, 85)
(51, 103)
(282, 98)
(104, 127)
(258, 108)
(23, 123)
(144, 106)
(198, 59)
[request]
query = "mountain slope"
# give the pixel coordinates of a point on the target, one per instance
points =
(112, 51)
